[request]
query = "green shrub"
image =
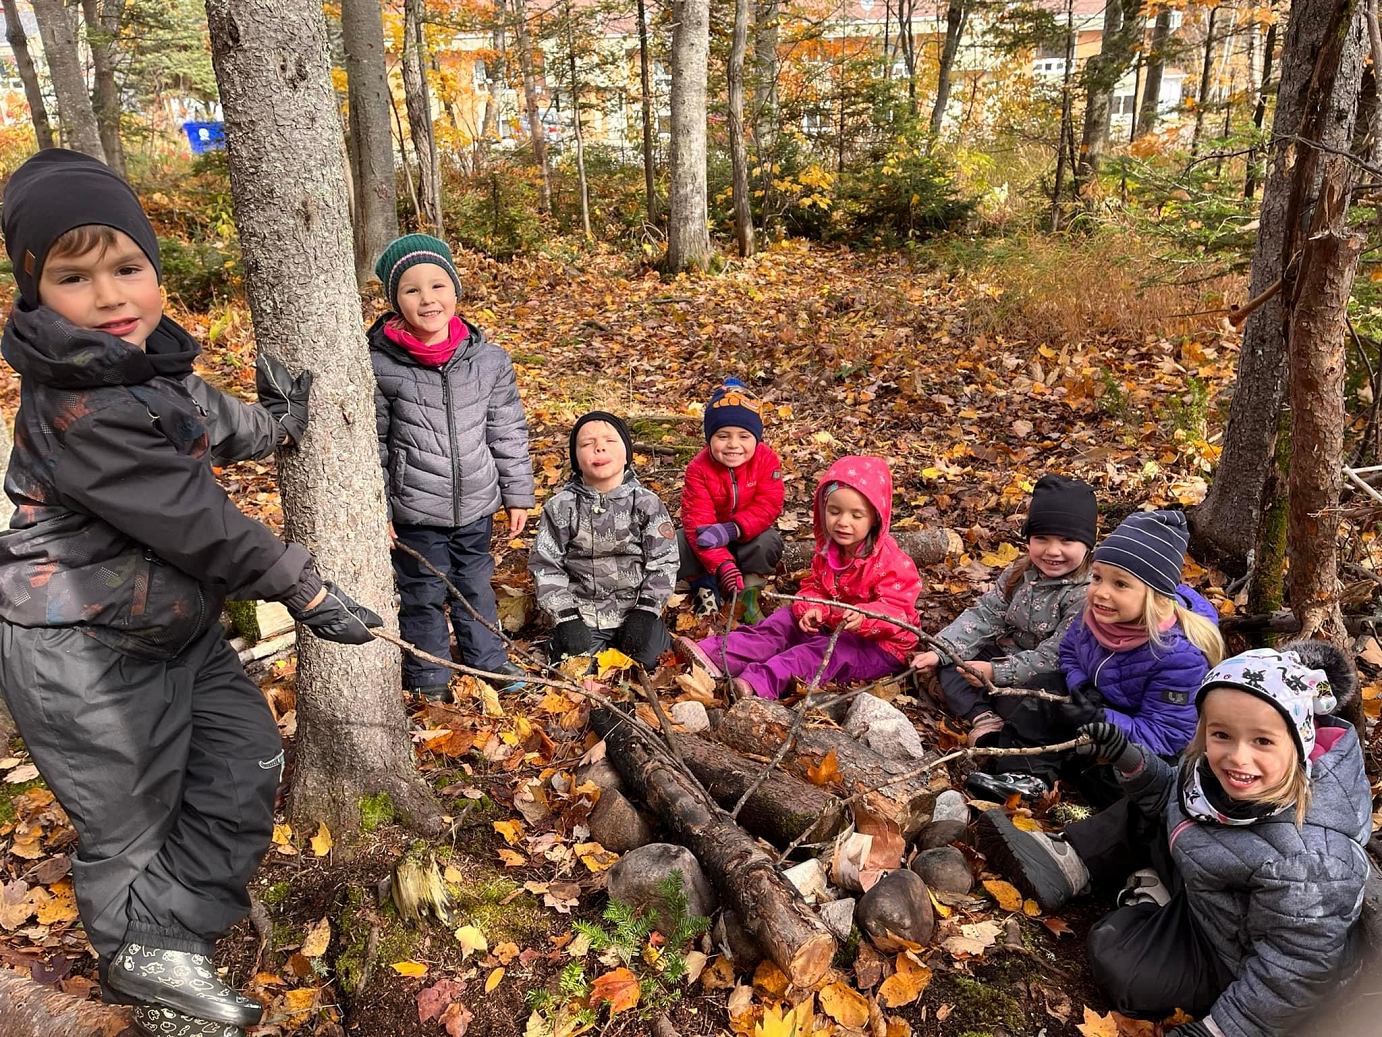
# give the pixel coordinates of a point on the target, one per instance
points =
(495, 212)
(200, 274)
(902, 196)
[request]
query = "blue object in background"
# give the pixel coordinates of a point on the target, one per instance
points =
(205, 136)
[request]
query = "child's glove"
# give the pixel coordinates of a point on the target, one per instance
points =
(570, 637)
(283, 396)
(339, 618)
(1197, 1029)
(1084, 707)
(1108, 743)
(717, 535)
(729, 577)
(637, 631)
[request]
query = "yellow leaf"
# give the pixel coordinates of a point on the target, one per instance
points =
(1009, 899)
(409, 968)
(283, 839)
(906, 984)
(493, 980)
(846, 1006)
(595, 857)
(489, 698)
(321, 842)
(780, 1020)
(318, 937)
(510, 830)
(1031, 908)
(61, 907)
(1096, 1025)
(1027, 824)
(941, 910)
(302, 999)
(512, 858)
(471, 939)
(611, 660)
(1004, 554)
(770, 979)
(620, 988)
(452, 874)
(896, 1026)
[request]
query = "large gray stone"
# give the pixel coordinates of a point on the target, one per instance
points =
(950, 806)
(602, 773)
(635, 877)
(691, 715)
(944, 869)
(897, 908)
(884, 728)
(838, 916)
(617, 825)
(939, 833)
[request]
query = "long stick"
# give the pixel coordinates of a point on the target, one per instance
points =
(648, 693)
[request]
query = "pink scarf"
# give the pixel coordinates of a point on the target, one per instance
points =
(399, 332)
(1122, 637)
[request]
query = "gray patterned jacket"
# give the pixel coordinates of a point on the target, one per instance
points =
(1031, 623)
(603, 555)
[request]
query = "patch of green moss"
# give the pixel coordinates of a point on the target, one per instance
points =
(846, 953)
(375, 810)
(8, 794)
(276, 894)
(479, 900)
(474, 832)
(980, 1005)
(244, 616)
(976, 1033)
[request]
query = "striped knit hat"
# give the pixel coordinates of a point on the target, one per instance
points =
(410, 250)
(1151, 545)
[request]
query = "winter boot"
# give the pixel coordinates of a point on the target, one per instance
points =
(518, 683)
(694, 655)
(182, 981)
(433, 692)
(1045, 867)
(983, 727)
(1000, 787)
(164, 1022)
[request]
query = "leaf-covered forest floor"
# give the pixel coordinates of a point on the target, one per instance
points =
(971, 380)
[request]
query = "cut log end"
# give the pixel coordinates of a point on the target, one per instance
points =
(812, 961)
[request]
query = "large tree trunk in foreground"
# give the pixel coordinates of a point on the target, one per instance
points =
(287, 185)
(759, 726)
(738, 154)
(780, 810)
(1225, 525)
(688, 240)
(24, 62)
(102, 30)
(371, 151)
(419, 105)
(956, 14)
(30, 1010)
(59, 30)
(537, 134)
(923, 546)
(787, 930)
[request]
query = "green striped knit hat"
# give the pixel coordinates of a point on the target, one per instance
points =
(410, 250)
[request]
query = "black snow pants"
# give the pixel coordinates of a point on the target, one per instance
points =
(168, 771)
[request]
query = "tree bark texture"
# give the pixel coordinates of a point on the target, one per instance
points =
(59, 30)
(738, 154)
(30, 1010)
(1066, 132)
(765, 64)
(759, 726)
(1225, 524)
(923, 546)
(103, 19)
(1122, 19)
(287, 187)
(371, 151)
(1206, 75)
(787, 930)
(576, 121)
(496, 74)
(645, 78)
(688, 240)
(28, 74)
(1156, 63)
(537, 134)
(956, 15)
(419, 105)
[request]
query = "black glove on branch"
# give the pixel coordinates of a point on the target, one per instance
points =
(570, 637)
(1084, 707)
(283, 396)
(637, 631)
(1109, 744)
(339, 618)
(1196, 1029)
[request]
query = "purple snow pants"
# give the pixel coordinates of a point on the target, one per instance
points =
(769, 654)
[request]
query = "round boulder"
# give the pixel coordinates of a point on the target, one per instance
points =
(896, 912)
(635, 877)
(617, 825)
(944, 869)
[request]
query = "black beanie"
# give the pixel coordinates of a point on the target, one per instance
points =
(1062, 507)
(1151, 545)
(57, 190)
(619, 426)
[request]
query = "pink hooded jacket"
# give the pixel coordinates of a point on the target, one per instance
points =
(884, 580)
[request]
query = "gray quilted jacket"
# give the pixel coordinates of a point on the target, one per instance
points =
(453, 440)
(603, 555)
(1278, 904)
(1030, 624)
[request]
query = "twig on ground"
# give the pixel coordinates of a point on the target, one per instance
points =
(264, 929)
(1029, 693)
(725, 678)
(663, 722)
(867, 689)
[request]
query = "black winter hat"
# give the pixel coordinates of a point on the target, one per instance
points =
(1151, 545)
(619, 426)
(1062, 507)
(57, 190)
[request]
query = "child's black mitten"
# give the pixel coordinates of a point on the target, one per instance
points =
(1107, 742)
(339, 618)
(1085, 706)
(570, 637)
(283, 396)
(637, 631)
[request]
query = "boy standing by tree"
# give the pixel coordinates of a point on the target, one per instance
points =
(112, 660)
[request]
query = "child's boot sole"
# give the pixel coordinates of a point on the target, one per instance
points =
(1015, 855)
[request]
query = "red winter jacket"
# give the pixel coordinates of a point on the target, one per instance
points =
(750, 496)
(885, 580)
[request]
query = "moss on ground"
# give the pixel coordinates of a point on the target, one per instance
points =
(980, 1007)
(8, 793)
(375, 810)
(276, 894)
(481, 899)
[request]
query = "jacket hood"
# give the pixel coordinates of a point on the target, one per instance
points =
(475, 338)
(869, 476)
(577, 485)
(1197, 603)
(1340, 796)
(40, 344)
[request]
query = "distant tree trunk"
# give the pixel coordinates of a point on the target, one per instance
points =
(496, 74)
(906, 36)
(765, 101)
(59, 31)
(739, 160)
(376, 187)
(1102, 73)
(1260, 111)
(956, 14)
(1375, 49)
(688, 240)
(419, 106)
(537, 135)
(1206, 74)
(1065, 118)
(645, 77)
(576, 121)
(287, 186)
(103, 19)
(1225, 524)
(19, 46)
(1156, 62)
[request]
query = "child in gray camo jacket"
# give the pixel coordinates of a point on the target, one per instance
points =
(605, 558)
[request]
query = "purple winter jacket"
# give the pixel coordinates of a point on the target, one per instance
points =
(1148, 692)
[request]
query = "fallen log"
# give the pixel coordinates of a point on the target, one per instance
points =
(760, 726)
(923, 546)
(30, 1010)
(1286, 623)
(787, 929)
(783, 809)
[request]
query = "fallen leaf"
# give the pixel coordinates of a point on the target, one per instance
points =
(471, 939)
(695, 965)
(409, 968)
(506, 952)
(826, 771)
(698, 685)
(620, 988)
(455, 1019)
(17, 904)
(1026, 823)
(1009, 899)
(770, 979)
(719, 975)
(782, 1020)
(283, 840)
(740, 998)
(847, 1007)
(58, 909)
(512, 858)
(973, 939)
(303, 999)
(432, 1001)
(611, 660)
(317, 939)
(24, 772)
(897, 1027)
(321, 842)
(512, 831)
(1057, 927)
(1031, 908)
(494, 979)
(906, 984)
(595, 857)
(1096, 1025)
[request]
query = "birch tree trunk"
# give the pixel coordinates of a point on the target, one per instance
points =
(287, 186)
(738, 155)
(956, 14)
(371, 151)
(419, 106)
(688, 240)
(1156, 62)
(59, 31)
(536, 131)
(23, 60)
(103, 19)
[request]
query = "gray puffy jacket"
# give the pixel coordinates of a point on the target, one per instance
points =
(1278, 903)
(453, 440)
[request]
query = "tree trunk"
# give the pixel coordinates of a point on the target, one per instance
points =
(19, 47)
(1206, 73)
(645, 77)
(787, 930)
(1375, 49)
(576, 122)
(419, 107)
(103, 19)
(1225, 524)
(956, 14)
(496, 75)
(1066, 132)
(923, 546)
(1260, 111)
(906, 35)
(765, 103)
(1122, 18)
(537, 134)
(30, 1010)
(287, 186)
(738, 155)
(59, 31)
(1156, 62)
(688, 240)
(371, 152)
